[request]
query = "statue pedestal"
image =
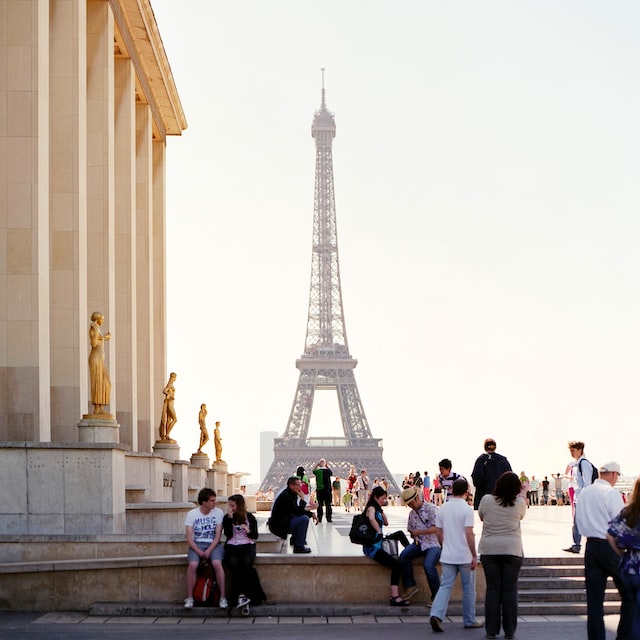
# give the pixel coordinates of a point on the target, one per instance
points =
(200, 460)
(220, 466)
(99, 427)
(167, 449)
(218, 477)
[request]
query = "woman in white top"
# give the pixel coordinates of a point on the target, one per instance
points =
(501, 553)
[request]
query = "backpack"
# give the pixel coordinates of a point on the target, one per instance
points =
(206, 590)
(361, 530)
(594, 472)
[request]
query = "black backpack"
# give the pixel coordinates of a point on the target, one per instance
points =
(361, 530)
(594, 472)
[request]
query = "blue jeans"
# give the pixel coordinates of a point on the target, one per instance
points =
(600, 561)
(448, 577)
(633, 586)
(431, 557)
(298, 526)
(501, 598)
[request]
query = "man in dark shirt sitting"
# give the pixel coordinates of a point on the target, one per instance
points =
(290, 514)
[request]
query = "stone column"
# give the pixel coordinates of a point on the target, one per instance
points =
(125, 253)
(100, 179)
(148, 416)
(24, 222)
(68, 276)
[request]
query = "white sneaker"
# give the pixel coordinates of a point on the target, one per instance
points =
(188, 603)
(223, 604)
(242, 600)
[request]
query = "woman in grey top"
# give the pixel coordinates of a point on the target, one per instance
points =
(501, 553)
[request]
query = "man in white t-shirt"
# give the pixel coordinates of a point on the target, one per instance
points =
(204, 529)
(454, 528)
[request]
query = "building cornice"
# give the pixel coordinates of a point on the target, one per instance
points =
(137, 37)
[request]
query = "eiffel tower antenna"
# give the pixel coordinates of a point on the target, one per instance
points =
(326, 363)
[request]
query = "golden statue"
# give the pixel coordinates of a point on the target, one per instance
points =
(168, 411)
(100, 383)
(217, 441)
(204, 434)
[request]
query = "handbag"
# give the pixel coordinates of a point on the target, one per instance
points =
(362, 532)
(390, 546)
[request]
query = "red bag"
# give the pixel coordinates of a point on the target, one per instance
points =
(206, 590)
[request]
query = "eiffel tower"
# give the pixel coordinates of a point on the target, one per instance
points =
(326, 363)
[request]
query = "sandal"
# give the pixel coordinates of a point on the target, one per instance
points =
(397, 601)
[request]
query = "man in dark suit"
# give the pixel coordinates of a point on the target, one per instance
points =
(290, 515)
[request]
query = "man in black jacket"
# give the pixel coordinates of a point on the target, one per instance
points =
(289, 514)
(488, 468)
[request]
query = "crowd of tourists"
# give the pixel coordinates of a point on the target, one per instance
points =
(441, 531)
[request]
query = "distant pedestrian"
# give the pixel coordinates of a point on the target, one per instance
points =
(323, 489)
(533, 491)
(545, 491)
(362, 486)
(557, 480)
(598, 505)
(426, 488)
(488, 467)
(336, 487)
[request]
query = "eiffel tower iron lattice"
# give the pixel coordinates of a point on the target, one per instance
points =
(326, 363)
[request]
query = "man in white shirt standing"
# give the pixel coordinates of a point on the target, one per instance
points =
(454, 528)
(596, 506)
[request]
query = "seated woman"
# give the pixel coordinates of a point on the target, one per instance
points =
(241, 531)
(378, 519)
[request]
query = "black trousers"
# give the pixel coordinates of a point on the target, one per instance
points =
(501, 598)
(600, 561)
(239, 559)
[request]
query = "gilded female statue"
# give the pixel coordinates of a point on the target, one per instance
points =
(100, 383)
(168, 411)
(204, 434)
(217, 441)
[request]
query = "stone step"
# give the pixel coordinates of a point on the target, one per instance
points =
(551, 570)
(561, 595)
(329, 609)
(562, 608)
(552, 583)
(567, 560)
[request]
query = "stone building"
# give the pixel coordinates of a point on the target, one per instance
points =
(87, 100)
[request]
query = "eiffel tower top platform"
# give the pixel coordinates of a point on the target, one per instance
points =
(326, 364)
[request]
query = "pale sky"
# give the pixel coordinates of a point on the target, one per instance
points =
(486, 169)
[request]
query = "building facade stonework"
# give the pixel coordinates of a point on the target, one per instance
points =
(87, 101)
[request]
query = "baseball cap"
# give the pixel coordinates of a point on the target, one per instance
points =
(610, 467)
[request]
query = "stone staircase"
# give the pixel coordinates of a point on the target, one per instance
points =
(555, 586)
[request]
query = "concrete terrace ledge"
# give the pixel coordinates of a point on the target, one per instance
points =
(66, 585)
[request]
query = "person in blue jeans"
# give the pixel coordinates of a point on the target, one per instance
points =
(454, 524)
(421, 526)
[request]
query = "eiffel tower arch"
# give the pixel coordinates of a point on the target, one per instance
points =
(326, 363)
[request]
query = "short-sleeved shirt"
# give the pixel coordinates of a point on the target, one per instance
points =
(204, 526)
(453, 518)
(628, 540)
(424, 518)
